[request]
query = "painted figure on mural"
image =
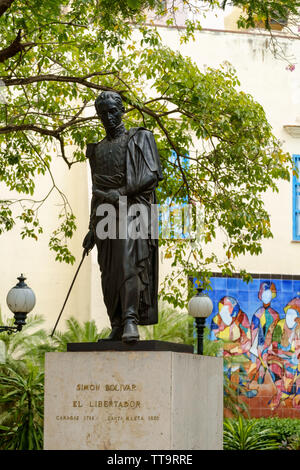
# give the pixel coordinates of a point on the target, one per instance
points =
(231, 326)
(263, 323)
(283, 357)
(125, 166)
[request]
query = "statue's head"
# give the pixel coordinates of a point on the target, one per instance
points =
(110, 109)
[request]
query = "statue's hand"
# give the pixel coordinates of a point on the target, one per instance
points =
(112, 196)
(89, 241)
(99, 194)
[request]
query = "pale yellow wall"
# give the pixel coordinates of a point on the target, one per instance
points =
(49, 279)
(231, 18)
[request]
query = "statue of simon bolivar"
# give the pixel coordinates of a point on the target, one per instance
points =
(125, 166)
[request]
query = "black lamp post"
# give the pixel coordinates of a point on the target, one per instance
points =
(20, 300)
(200, 307)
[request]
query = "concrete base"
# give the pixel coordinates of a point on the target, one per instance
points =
(133, 400)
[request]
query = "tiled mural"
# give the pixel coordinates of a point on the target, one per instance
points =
(259, 324)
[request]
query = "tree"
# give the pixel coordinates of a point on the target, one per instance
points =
(57, 56)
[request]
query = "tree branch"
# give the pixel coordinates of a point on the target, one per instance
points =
(62, 148)
(14, 48)
(59, 78)
(4, 5)
(43, 130)
(27, 127)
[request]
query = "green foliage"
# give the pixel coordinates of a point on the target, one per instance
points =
(172, 326)
(287, 430)
(21, 405)
(22, 384)
(78, 333)
(224, 177)
(31, 342)
(239, 433)
(242, 434)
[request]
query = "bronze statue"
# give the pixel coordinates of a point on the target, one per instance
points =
(125, 166)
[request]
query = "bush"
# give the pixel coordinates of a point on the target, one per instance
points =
(287, 429)
(243, 434)
(22, 407)
(262, 434)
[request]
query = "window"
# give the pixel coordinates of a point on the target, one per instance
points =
(296, 199)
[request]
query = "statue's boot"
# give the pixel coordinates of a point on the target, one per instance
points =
(130, 331)
(116, 325)
(115, 334)
(130, 303)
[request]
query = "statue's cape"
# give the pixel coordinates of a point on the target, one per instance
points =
(144, 140)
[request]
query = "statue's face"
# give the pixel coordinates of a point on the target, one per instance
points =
(110, 114)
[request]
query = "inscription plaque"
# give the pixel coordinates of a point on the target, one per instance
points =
(116, 400)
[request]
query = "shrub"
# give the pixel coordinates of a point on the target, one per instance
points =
(22, 406)
(287, 429)
(243, 434)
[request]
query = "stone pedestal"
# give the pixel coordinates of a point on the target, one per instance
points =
(134, 399)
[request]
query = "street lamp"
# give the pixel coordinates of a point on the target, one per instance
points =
(20, 300)
(200, 307)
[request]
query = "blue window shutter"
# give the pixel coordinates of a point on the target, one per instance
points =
(296, 199)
